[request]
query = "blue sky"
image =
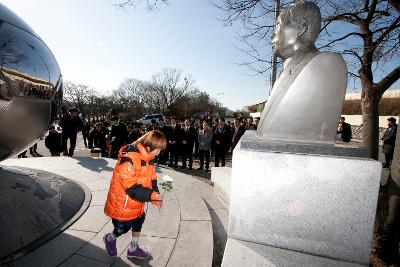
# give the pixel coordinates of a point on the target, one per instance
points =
(97, 44)
(100, 45)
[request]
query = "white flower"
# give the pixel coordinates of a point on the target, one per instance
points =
(167, 178)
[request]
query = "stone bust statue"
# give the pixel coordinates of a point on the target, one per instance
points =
(306, 99)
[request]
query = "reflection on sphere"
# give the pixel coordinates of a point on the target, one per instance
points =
(30, 85)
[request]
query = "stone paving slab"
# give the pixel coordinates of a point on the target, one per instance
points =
(162, 222)
(93, 220)
(160, 249)
(80, 261)
(193, 207)
(194, 245)
(56, 250)
(95, 249)
(99, 198)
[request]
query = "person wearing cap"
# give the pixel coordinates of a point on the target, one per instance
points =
(389, 140)
(71, 124)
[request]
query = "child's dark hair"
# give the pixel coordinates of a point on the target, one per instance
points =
(153, 139)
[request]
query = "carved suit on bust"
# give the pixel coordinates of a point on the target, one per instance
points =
(307, 98)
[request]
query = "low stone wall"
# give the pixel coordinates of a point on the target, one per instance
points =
(357, 120)
(357, 132)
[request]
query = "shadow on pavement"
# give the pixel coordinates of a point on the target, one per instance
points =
(94, 164)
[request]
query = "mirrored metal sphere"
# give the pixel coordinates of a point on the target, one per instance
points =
(30, 85)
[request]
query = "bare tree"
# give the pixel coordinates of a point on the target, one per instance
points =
(167, 87)
(130, 97)
(149, 4)
(78, 95)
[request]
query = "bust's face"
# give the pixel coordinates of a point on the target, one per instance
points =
(284, 38)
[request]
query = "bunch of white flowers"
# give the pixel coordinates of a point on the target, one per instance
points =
(166, 185)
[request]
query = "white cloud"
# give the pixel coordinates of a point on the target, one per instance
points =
(100, 43)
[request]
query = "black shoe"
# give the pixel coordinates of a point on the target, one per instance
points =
(170, 165)
(175, 166)
(183, 167)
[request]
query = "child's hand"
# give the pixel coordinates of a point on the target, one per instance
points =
(159, 197)
(156, 199)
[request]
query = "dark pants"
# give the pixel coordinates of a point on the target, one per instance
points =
(163, 157)
(23, 154)
(388, 159)
(72, 143)
(33, 149)
(196, 149)
(115, 147)
(173, 155)
(220, 154)
(122, 227)
(85, 139)
(204, 154)
(187, 154)
(55, 154)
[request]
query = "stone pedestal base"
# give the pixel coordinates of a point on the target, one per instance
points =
(221, 177)
(321, 205)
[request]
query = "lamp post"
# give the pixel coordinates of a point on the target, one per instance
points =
(274, 58)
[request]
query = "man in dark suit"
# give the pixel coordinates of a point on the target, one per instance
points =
(166, 130)
(222, 140)
(188, 139)
(71, 124)
(237, 132)
(389, 140)
(174, 143)
(118, 136)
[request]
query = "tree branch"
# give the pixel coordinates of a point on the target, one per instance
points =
(395, 24)
(371, 11)
(342, 38)
(348, 17)
(390, 79)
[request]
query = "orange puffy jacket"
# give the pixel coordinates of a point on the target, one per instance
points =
(133, 183)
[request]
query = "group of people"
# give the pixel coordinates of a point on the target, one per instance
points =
(185, 140)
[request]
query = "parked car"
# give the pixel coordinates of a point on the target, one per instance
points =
(146, 120)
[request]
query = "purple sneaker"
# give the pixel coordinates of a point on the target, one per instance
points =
(138, 253)
(111, 246)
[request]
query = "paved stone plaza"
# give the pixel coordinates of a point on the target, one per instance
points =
(178, 234)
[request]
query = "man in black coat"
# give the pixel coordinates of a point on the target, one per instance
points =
(166, 130)
(222, 140)
(118, 136)
(237, 132)
(346, 133)
(135, 134)
(174, 143)
(53, 142)
(389, 140)
(188, 138)
(98, 138)
(71, 124)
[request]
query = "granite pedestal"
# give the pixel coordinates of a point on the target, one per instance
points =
(303, 202)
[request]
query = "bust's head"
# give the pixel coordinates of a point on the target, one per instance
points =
(296, 29)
